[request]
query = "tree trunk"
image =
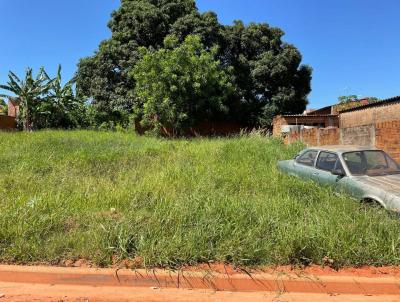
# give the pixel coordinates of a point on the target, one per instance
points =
(27, 120)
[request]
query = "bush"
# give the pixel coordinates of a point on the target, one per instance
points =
(180, 86)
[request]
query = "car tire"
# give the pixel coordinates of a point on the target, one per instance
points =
(372, 202)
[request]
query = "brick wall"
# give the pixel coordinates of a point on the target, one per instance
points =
(291, 137)
(375, 126)
(202, 129)
(359, 135)
(13, 108)
(370, 116)
(310, 136)
(216, 128)
(383, 135)
(315, 136)
(387, 113)
(388, 138)
(277, 123)
(7, 122)
(356, 119)
(329, 136)
(305, 120)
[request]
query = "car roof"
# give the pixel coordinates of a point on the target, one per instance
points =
(343, 148)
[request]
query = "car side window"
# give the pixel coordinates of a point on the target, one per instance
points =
(354, 161)
(392, 164)
(327, 161)
(339, 166)
(307, 158)
(375, 159)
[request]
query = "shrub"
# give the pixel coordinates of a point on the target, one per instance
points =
(180, 86)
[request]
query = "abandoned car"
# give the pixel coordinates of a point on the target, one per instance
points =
(365, 173)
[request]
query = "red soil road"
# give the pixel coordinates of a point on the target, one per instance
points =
(18, 283)
(17, 292)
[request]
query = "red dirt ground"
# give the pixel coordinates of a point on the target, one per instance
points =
(214, 282)
(15, 292)
(365, 271)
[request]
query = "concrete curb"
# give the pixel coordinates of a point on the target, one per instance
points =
(260, 282)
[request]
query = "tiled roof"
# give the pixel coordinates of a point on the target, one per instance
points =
(386, 102)
(309, 115)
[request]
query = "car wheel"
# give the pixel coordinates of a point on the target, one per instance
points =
(372, 202)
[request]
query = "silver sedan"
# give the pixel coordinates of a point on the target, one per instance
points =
(366, 173)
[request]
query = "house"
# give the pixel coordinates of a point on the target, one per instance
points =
(8, 122)
(374, 123)
(321, 118)
(13, 107)
(283, 124)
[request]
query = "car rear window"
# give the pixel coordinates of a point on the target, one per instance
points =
(370, 162)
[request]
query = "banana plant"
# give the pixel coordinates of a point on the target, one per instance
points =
(3, 107)
(62, 98)
(29, 92)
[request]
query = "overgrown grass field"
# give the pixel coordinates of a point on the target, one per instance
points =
(112, 196)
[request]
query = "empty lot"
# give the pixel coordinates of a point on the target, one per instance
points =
(107, 198)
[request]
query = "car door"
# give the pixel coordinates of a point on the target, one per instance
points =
(326, 163)
(304, 166)
(356, 164)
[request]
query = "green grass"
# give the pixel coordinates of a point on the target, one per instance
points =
(102, 196)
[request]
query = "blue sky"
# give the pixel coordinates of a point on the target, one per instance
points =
(352, 45)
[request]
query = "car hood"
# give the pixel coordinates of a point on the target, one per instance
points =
(388, 183)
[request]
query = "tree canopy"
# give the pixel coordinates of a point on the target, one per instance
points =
(268, 76)
(344, 99)
(180, 86)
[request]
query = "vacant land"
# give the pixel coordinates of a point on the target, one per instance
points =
(108, 197)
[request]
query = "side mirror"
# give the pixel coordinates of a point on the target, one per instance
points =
(338, 172)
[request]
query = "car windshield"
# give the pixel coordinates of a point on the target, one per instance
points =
(371, 163)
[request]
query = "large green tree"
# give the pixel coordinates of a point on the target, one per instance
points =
(268, 76)
(104, 77)
(180, 86)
